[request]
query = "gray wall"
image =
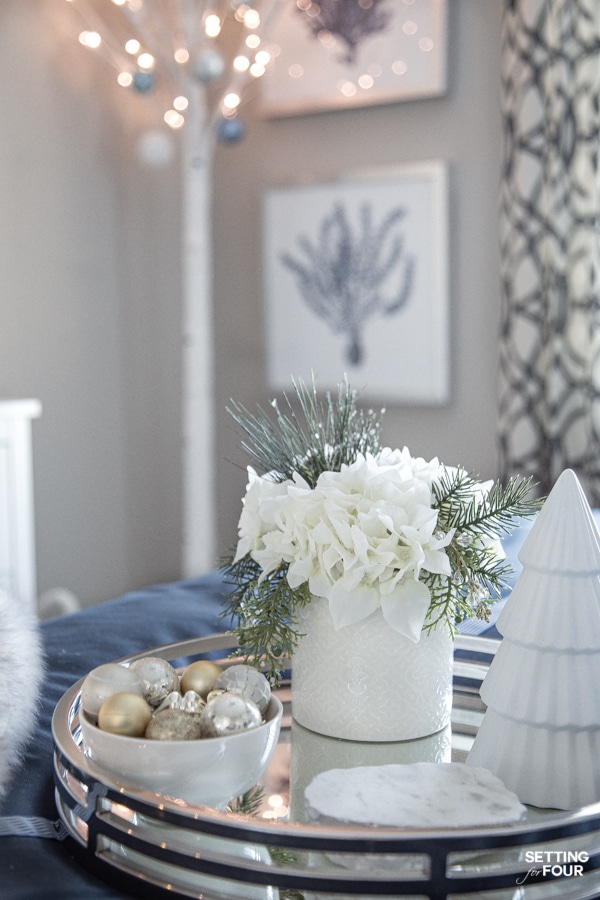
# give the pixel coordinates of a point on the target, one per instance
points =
(462, 128)
(91, 285)
(90, 315)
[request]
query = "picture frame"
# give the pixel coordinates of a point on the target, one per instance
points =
(392, 51)
(356, 283)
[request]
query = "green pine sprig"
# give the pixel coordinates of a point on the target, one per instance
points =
(461, 506)
(479, 577)
(264, 615)
(309, 436)
(249, 803)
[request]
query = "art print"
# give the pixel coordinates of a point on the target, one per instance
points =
(356, 284)
(347, 53)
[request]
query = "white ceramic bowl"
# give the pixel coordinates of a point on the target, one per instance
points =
(210, 771)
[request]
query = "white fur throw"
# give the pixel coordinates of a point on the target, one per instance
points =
(20, 678)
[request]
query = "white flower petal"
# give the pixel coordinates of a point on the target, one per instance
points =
(347, 607)
(405, 609)
(437, 561)
(319, 585)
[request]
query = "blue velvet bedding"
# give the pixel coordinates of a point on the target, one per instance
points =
(34, 867)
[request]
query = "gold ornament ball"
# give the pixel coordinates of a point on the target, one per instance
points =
(200, 676)
(124, 713)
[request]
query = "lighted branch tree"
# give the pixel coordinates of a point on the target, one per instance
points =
(190, 61)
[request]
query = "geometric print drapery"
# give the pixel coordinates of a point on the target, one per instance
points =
(549, 364)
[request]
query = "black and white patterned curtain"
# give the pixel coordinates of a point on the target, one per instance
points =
(549, 404)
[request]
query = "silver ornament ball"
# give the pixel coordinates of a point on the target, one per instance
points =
(104, 681)
(246, 681)
(229, 714)
(193, 703)
(171, 701)
(159, 677)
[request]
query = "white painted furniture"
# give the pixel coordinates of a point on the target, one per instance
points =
(17, 538)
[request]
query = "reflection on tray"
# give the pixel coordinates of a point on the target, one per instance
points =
(313, 753)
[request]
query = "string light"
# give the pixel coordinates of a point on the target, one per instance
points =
(174, 52)
(251, 18)
(146, 61)
(173, 118)
(90, 39)
(278, 810)
(231, 100)
(212, 26)
(241, 12)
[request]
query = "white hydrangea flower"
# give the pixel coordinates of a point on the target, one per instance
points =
(361, 538)
(258, 517)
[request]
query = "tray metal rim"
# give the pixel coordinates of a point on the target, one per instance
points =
(197, 814)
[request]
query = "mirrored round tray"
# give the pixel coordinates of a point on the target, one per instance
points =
(157, 846)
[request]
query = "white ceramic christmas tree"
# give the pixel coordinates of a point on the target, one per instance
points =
(541, 731)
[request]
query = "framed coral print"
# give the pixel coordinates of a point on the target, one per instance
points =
(356, 284)
(346, 53)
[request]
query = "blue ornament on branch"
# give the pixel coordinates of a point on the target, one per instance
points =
(230, 130)
(143, 82)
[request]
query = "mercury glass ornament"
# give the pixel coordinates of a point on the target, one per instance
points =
(214, 693)
(246, 681)
(200, 676)
(229, 714)
(159, 678)
(193, 703)
(105, 680)
(173, 725)
(171, 701)
(124, 713)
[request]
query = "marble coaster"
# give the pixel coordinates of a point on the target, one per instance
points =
(421, 795)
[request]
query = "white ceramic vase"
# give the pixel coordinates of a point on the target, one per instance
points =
(366, 682)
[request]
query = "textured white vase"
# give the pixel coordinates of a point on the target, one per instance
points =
(366, 682)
